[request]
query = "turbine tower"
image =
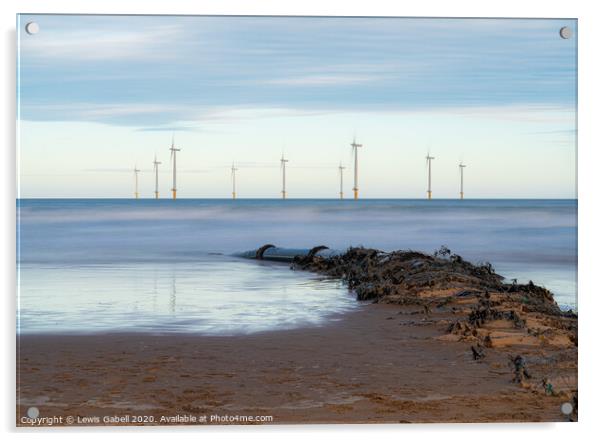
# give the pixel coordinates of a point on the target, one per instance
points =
(156, 169)
(354, 147)
(429, 158)
(283, 167)
(341, 168)
(234, 169)
(136, 171)
(174, 150)
(462, 166)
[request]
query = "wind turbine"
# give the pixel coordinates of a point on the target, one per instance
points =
(354, 147)
(136, 171)
(156, 169)
(173, 150)
(429, 158)
(234, 169)
(341, 168)
(462, 166)
(283, 167)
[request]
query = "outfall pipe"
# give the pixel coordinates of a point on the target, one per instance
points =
(274, 253)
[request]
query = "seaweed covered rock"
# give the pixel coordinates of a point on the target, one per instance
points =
(415, 277)
(485, 308)
(374, 274)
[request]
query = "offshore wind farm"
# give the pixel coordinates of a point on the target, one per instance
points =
(283, 165)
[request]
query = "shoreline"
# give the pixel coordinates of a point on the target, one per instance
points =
(380, 363)
(331, 321)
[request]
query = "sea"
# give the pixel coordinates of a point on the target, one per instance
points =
(164, 266)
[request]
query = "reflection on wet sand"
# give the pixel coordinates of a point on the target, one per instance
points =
(221, 295)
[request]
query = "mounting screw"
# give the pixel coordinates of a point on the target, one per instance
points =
(32, 28)
(566, 408)
(566, 32)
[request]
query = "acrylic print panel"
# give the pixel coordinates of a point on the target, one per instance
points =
(242, 220)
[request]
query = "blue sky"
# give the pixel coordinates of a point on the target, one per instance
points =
(99, 94)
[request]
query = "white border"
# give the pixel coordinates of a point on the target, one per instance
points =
(590, 165)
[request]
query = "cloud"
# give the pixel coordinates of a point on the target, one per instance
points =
(168, 129)
(524, 112)
(98, 44)
(136, 114)
(327, 80)
(168, 117)
(183, 73)
(192, 118)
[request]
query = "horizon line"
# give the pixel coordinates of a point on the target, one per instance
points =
(306, 198)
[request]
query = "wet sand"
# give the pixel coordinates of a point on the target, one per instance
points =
(378, 364)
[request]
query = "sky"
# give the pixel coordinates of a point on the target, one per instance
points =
(100, 95)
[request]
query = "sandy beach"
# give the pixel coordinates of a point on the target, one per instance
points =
(380, 364)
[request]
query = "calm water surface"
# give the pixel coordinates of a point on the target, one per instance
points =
(167, 266)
